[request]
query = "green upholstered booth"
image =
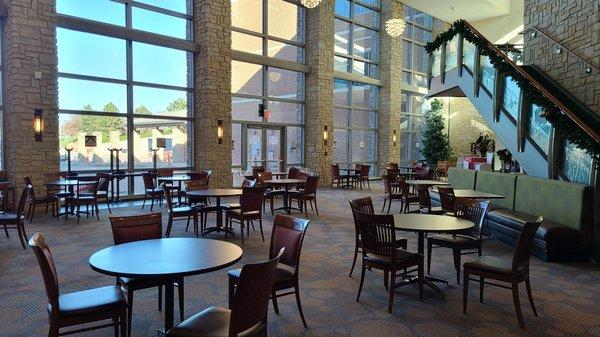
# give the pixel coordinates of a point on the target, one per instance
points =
(498, 183)
(462, 179)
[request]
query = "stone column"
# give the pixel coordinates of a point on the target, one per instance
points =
(30, 82)
(212, 90)
(319, 90)
(390, 70)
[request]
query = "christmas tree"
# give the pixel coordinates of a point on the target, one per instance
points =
(436, 145)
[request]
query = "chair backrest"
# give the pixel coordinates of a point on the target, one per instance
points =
(46, 262)
(148, 178)
(88, 185)
(256, 170)
(27, 191)
(311, 185)
(393, 165)
(442, 165)
(252, 199)
(377, 233)
(248, 183)
(168, 196)
(52, 176)
(196, 175)
(293, 172)
(364, 205)
(103, 181)
(303, 175)
(288, 232)
(264, 176)
(195, 185)
(424, 198)
(335, 171)
(387, 187)
(205, 174)
(474, 211)
(447, 198)
(138, 227)
(251, 298)
(524, 243)
(393, 174)
(421, 172)
(164, 172)
(365, 170)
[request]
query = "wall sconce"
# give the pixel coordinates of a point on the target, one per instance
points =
(220, 131)
(38, 124)
(325, 135)
(394, 139)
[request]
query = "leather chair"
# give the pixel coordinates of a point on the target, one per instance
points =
(365, 205)
(179, 213)
(34, 200)
(248, 305)
(379, 251)
(150, 190)
(425, 201)
(136, 228)
(288, 233)
(17, 220)
(308, 194)
(250, 209)
(512, 271)
(461, 244)
(82, 307)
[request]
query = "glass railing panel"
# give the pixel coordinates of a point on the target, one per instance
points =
(510, 97)
(576, 164)
(451, 48)
(468, 57)
(539, 128)
(487, 73)
(435, 66)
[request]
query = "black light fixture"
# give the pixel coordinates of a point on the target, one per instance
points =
(220, 131)
(38, 124)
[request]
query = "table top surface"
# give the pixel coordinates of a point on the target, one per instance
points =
(216, 192)
(279, 173)
(431, 223)
(349, 169)
(176, 177)
(167, 257)
(473, 194)
(284, 181)
(426, 182)
(68, 182)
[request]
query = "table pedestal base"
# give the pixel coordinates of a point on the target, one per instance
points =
(427, 281)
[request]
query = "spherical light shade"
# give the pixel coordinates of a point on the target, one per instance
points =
(310, 3)
(395, 27)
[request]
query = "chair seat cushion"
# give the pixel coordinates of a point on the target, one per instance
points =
(401, 257)
(9, 217)
(283, 273)
(490, 264)
(238, 213)
(232, 206)
(139, 283)
(453, 239)
(211, 322)
(183, 210)
(91, 301)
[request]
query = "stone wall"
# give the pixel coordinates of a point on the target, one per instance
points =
(464, 124)
(576, 25)
(29, 49)
(319, 90)
(213, 89)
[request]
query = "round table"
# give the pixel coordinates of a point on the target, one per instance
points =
(430, 223)
(176, 178)
(168, 259)
(427, 182)
(279, 174)
(217, 193)
(348, 170)
(286, 183)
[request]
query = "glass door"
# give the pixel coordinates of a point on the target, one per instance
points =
(264, 146)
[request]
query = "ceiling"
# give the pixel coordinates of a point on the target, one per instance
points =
(470, 10)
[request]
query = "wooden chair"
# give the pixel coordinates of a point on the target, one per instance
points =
(151, 191)
(388, 194)
(441, 169)
(82, 307)
(425, 201)
(393, 166)
(256, 170)
(365, 205)
(245, 184)
(309, 194)
(168, 172)
(421, 173)
(17, 220)
(363, 176)
(293, 172)
(288, 233)
(179, 213)
(270, 193)
(248, 303)
(85, 195)
(250, 209)
(33, 200)
(447, 198)
(379, 251)
(461, 244)
(513, 272)
(102, 192)
(407, 198)
(57, 192)
(336, 177)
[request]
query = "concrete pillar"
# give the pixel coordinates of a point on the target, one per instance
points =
(390, 70)
(319, 90)
(212, 93)
(30, 82)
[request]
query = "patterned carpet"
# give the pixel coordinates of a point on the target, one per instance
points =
(567, 295)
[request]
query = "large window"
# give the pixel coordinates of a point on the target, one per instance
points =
(130, 95)
(1, 104)
(357, 37)
(355, 124)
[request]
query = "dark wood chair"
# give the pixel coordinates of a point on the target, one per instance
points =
(407, 198)
(102, 192)
(57, 192)
(250, 209)
(248, 303)
(379, 251)
(393, 166)
(363, 176)
(237, 205)
(365, 205)
(425, 201)
(307, 195)
(151, 191)
(336, 177)
(270, 193)
(421, 173)
(33, 200)
(17, 220)
(441, 169)
(461, 244)
(389, 194)
(513, 272)
(256, 170)
(293, 172)
(447, 198)
(180, 213)
(137, 228)
(85, 195)
(288, 233)
(82, 307)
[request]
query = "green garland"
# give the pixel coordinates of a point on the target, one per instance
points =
(563, 124)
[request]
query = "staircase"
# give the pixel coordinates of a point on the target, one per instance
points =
(457, 69)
